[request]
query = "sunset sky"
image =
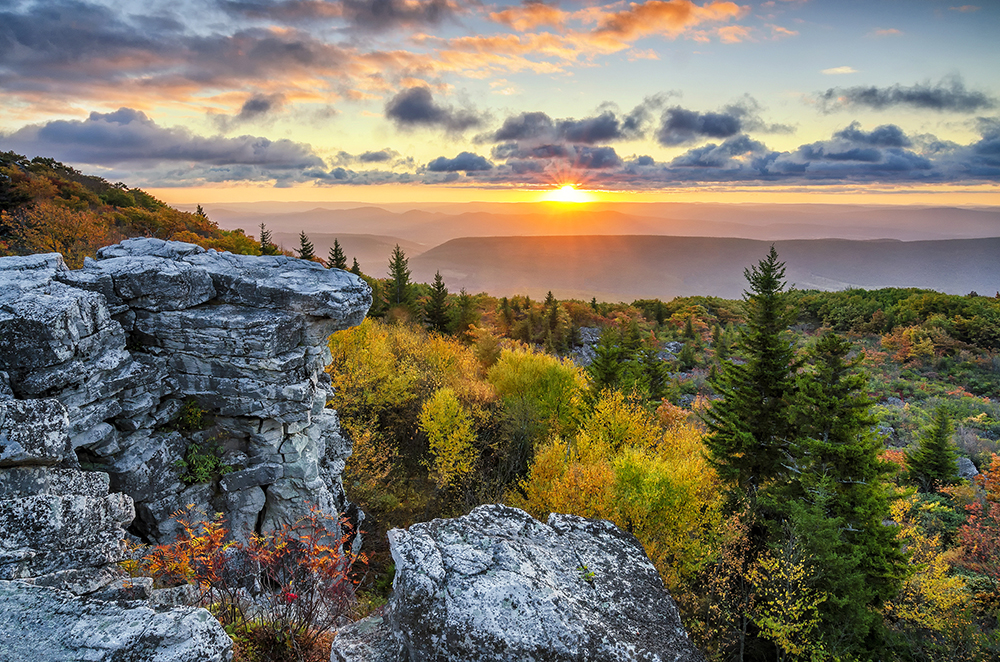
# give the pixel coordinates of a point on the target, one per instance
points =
(369, 100)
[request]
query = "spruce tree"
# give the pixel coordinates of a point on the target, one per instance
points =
(464, 314)
(356, 268)
(437, 306)
(934, 464)
(749, 427)
(836, 498)
(337, 259)
(267, 247)
(306, 248)
(399, 291)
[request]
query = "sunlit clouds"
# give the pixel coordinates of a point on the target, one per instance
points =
(560, 98)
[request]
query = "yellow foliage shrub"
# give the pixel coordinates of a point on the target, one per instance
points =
(449, 433)
(623, 467)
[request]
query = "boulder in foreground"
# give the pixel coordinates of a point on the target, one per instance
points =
(499, 585)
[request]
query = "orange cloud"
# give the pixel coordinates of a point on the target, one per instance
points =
(886, 32)
(733, 34)
(667, 17)
(528, 17)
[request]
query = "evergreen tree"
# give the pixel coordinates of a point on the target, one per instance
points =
(337, 259)
(356, 268)
(933, 464)
(399, 291)
(201, 212)
(606, 367)
(689, 327)
(267, 247)
(749, 428)
(464, 314)
(836, 498)
(306, 249)
(686, 358)
(437, 306)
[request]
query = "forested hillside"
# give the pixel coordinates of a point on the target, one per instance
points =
(49, 207)
(814, 474)
(790, 462)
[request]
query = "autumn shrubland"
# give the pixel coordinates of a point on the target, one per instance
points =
(831, 525)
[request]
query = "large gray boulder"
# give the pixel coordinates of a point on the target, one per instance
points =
(499, 585)
(44, 624)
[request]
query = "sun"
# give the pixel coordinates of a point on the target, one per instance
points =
(567, 193)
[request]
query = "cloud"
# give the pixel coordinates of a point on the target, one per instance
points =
(966, 8)
(885, 32)
(130, 136)
(721, 156)
(530, 15)
(415, 107)
(367, 15)
(665, 17)
(949, 94)
(386, 155)
(680, 126)
(836, 71)
(256, 107)
(464, 162)
(597, 158)
(608, 125)
(887, 135)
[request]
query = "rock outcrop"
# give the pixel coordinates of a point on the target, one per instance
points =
(128, 340)
(62, 594)
(498, 585)
(48, 625)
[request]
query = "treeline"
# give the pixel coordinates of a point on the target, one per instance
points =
(46, 206)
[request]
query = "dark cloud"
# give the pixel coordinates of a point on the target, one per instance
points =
(597, 158)
(464, 162)
(368, 15)
(525, 127)
(887, 135)
(377, 15)
(415, 106)
(129, 136)
(256, 107)
(380, 156)
(720, 156)
(680, 126)
(74, 49)
(375, 156)
(949, 94)
(260, 104)
(591, 130)
(607, 126)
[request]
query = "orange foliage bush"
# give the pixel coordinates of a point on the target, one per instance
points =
(278, 594)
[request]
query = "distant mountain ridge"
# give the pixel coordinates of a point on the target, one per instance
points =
(623, 268)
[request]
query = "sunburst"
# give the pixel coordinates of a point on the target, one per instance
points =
(568, 193)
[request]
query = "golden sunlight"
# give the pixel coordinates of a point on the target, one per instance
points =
(568, 193)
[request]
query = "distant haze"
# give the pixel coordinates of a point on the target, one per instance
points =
(625, 251)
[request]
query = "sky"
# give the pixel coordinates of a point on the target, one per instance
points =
(451, 100)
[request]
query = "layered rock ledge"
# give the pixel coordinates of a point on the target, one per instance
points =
(498, 585)
(128, 340)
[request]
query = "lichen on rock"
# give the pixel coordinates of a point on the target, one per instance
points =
(499, 585)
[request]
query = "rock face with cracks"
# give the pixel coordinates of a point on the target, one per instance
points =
(48, 625)
(499, 585)
(152, 326)
(61, 538)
